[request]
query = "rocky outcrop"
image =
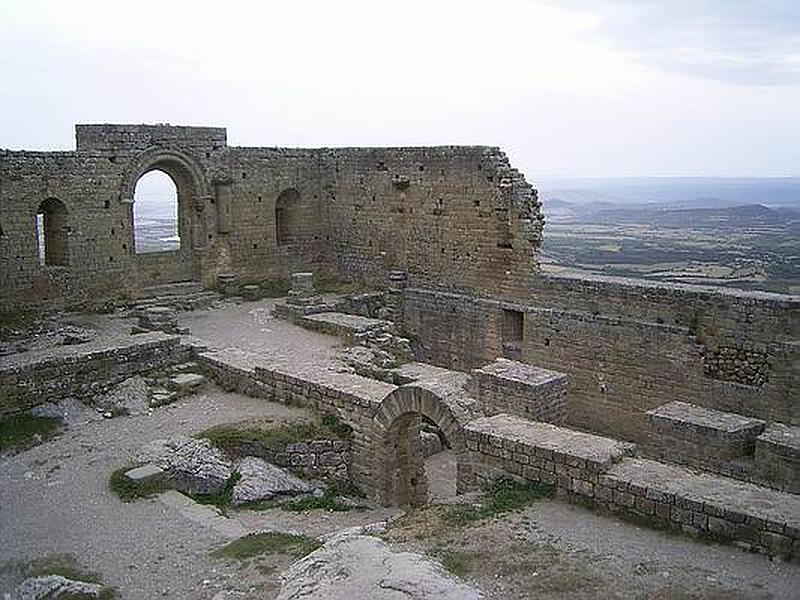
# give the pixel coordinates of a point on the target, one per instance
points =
(191, 465)
(260, 480)
(352, 565)
(54, 587)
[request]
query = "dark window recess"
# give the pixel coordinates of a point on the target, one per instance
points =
(287, 217)
(107, 204)
(52, 232)
(512, 331)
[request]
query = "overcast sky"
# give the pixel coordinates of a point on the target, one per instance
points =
(568, 88)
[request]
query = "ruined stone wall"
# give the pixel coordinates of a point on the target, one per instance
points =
(81, 371)
(628, 351)
(453, 217)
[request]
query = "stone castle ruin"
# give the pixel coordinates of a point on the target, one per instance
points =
(626, 394)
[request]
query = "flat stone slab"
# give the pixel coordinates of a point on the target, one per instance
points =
(144, 473)
(715, 494)
(360, 566)
(417, 371)
(343, 324)
(600, 452)
(261, 480)
(187, 382)
(698, 418)
(513, 371)
(782, 438)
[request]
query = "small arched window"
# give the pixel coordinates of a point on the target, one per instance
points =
(286, 216)
(52, 233)
(155, 214)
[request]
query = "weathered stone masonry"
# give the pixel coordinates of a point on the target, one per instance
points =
(358, 212)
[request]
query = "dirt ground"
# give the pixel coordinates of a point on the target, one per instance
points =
(55, 499)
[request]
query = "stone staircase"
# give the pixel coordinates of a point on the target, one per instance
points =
(184, 295)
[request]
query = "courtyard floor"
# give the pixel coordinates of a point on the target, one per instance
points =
(54, 499)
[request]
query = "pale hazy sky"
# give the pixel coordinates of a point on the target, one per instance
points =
(572, 88)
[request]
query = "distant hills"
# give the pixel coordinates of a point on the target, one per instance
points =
(675, 192)
(676, 202)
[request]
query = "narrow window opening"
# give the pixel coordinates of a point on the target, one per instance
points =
(287, 217)
(52, 233)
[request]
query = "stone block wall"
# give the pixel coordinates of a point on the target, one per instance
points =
(600, 472)
(777, 458)
(623, 360)
(81, 371)
(507, 386)
(453, 217)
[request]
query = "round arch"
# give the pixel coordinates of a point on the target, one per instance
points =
(399, 461)
(193, 194)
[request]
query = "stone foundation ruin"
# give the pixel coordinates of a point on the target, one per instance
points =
(607, 389)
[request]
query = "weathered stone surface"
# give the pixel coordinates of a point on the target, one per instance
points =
(509, 386)
(131, 397)
(431, 443)
(187, 383)
(358, 566)
(54, 587)
(261, 480)
(777, 457)
(144, 473)
(191, 465)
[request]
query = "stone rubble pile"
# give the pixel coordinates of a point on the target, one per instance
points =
(54, 587)
(159, 318)
(194, 466)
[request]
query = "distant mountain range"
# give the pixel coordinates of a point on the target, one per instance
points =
(677, 203)
(674, 192)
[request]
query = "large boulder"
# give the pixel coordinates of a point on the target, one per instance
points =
(53, 587)
(191, 465)
(352, 565)
(260, 480)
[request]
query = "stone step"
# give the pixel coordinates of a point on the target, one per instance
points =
(179, 288)
(193, 301)
(342, 324)
(702, 436)
(748, 515)
(777, 457)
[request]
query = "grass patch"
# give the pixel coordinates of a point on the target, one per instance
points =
(502, 496)
(230, 437)
(458, 563)
(128, 490)
(25, 430)
(255, 544)
(15, 322)
(65, 565)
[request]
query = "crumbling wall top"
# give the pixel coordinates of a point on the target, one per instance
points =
(106, 137)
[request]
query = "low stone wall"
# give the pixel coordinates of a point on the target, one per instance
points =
(600, 472)
(507, 386)
(777, 457)
(81, 371)
(352, 398)
(317, 459)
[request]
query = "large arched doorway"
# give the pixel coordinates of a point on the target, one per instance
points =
(156, 226)
(168, 228)
(401, 421)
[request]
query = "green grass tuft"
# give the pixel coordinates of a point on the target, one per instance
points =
(65, 565)
(230, 437)
(458, 563)
(25, 430)
(255, 544)
(501, 496)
